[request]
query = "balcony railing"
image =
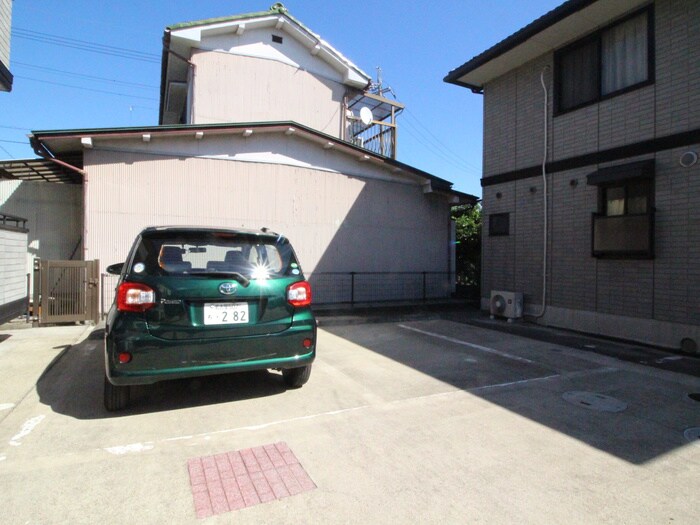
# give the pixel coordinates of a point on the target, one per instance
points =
(623, 235)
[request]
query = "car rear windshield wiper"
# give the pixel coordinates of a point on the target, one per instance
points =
(218, 273)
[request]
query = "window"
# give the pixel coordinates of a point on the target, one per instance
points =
(606, 63)
(499, 224)
(630, 198)
(194, 252)
(624, 224)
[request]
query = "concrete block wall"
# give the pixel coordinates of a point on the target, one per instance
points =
(572, 282)
(499, 253)
(677, 66)
(529, 238)
(677, 266)
(500, 125)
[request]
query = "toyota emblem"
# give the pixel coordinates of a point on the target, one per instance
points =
(228, 288)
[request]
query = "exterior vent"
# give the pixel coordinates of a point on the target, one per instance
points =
(506, 304)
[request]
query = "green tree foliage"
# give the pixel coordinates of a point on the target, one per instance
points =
(468, 250)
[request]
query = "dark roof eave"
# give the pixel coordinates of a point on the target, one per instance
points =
(552, 17)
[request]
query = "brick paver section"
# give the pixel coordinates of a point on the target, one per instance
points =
(239, 479)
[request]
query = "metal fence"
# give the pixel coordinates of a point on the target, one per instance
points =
(371, 287)
(350, 287)
(65, 291)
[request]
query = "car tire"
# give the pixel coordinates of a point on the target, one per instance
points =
(116, 397)
(296, 377)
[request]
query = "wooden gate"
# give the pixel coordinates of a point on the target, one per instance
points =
(66, 291)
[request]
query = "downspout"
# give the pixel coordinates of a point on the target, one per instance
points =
(190, 78)
(544, 195)
(41, 150)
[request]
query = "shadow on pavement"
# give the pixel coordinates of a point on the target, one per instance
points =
(73, 385)
(655, 411)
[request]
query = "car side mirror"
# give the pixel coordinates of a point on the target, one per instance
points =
(115, 269)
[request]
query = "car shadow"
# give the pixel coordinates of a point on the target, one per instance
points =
(73, 385)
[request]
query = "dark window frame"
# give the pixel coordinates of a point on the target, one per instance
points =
(494, 229)
(638, 174)
(598, 36)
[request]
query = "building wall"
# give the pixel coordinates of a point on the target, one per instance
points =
(5, 27)
(53, 213)
(5, 18)
(237, 77)
(13, 274)
(654, 300)
(341, 215)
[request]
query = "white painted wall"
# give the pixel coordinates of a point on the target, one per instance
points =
(235, 88)
(341, 215)
(53, 213)
(13, 272)
(5, 23)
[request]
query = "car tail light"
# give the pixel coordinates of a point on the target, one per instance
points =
(135, 297)
(299, 294)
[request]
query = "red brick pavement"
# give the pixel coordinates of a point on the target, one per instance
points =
(239, 479)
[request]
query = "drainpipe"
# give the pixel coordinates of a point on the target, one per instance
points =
(544, 195)
(41, 150)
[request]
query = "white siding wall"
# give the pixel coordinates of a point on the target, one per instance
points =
(5, 19)
(234, 88)
(347, 216)
(53, 213)
(13, 272)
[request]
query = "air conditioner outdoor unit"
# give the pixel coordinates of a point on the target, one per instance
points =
(506, 304)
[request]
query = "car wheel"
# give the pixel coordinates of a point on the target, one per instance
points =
(296, 377)
(116, 397)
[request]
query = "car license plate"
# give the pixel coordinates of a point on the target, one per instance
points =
(225, 313)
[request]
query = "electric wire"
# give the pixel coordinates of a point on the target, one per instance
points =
(85, 88)
(84, 45)
(435, 141)
(455, 162)
(10, 154)
(16, 127)
(82, 75)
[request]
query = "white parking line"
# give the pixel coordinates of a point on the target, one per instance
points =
(27, 428)
(470, 345)
(133, 448)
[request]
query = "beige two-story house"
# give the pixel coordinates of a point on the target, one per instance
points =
(264, 124)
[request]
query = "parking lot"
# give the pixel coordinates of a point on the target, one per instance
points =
(426, 420)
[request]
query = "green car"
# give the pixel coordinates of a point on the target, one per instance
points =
(199, 301)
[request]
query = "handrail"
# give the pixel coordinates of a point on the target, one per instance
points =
(5, 218)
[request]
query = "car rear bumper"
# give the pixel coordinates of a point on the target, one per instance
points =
(154, 359)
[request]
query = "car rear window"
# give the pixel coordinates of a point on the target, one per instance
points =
(191, 253)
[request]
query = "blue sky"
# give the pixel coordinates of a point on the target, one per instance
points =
(60, 84)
